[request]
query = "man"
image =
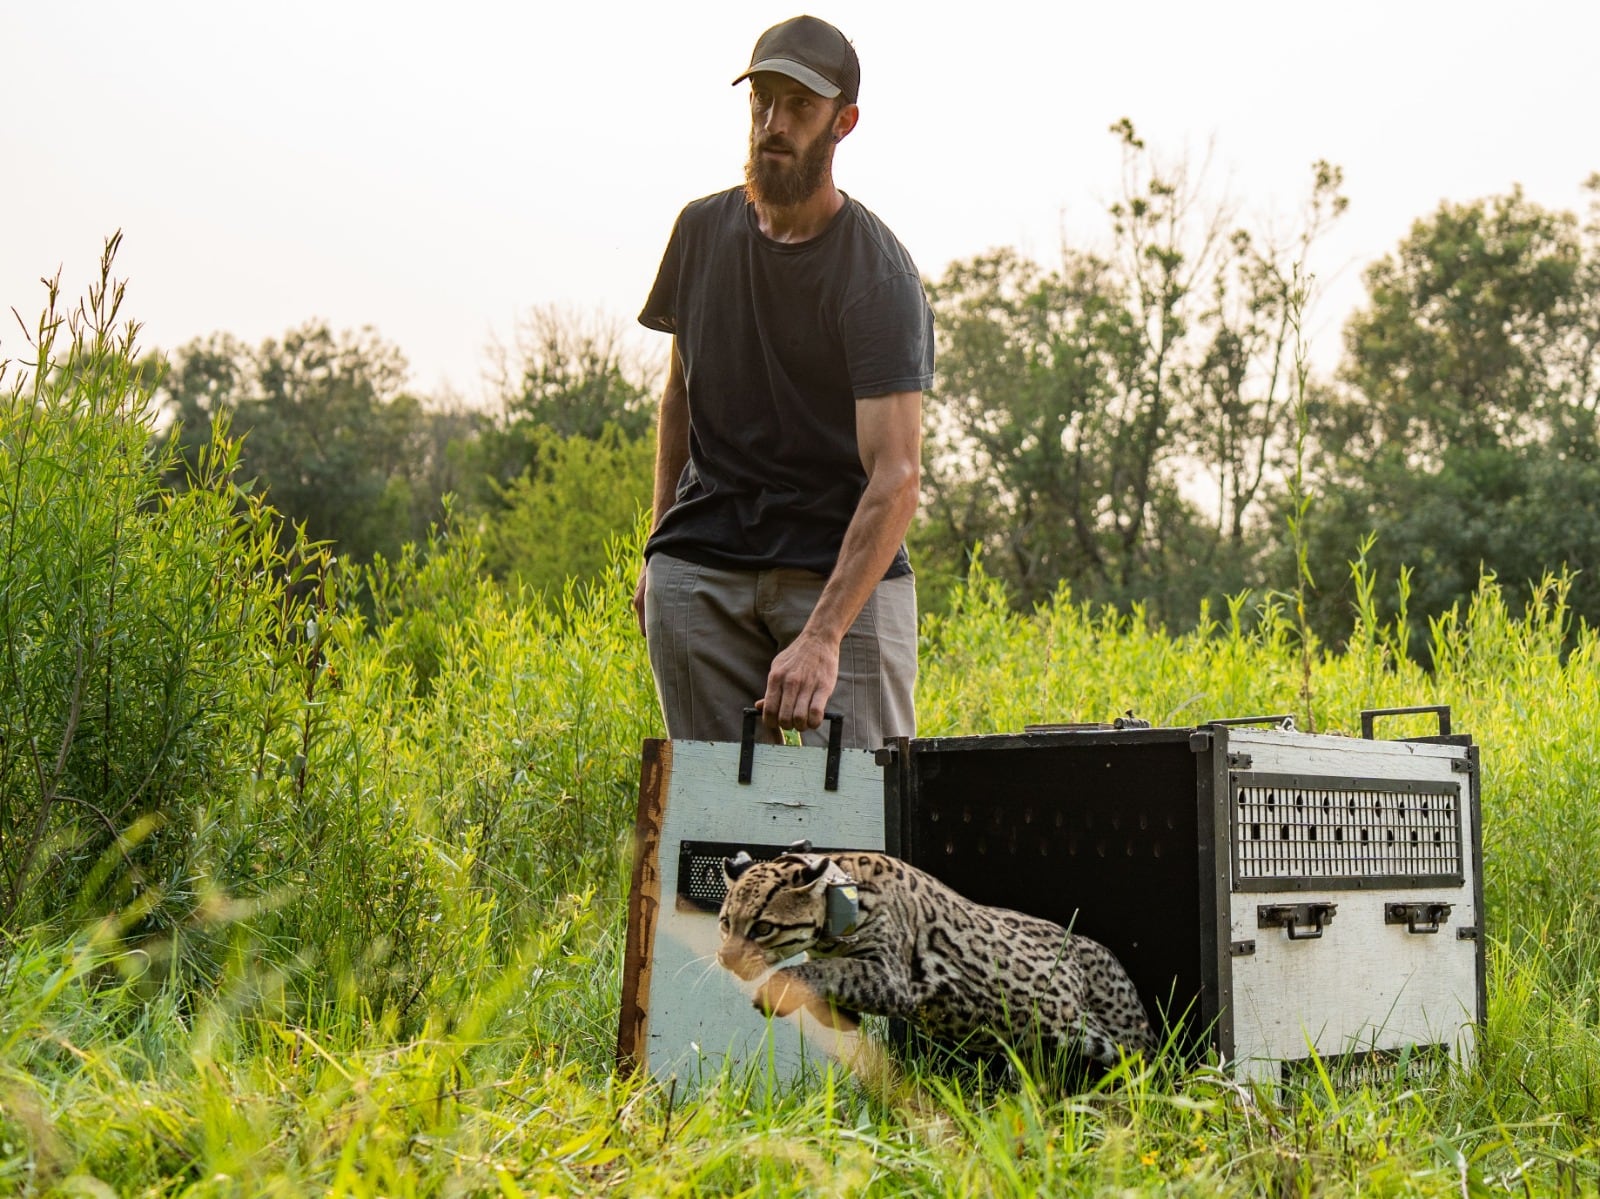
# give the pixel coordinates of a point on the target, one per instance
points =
(788, 457)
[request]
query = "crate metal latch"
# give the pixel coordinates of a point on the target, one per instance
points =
(1417, 917)
(1292, 917)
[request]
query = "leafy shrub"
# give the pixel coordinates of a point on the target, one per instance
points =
(202, 736)
(129, 620)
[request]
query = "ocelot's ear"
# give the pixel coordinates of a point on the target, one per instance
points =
(733, 867)
(813, 873)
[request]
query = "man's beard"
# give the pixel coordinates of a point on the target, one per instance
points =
(783, 183)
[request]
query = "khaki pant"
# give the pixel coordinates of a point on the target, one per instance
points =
(713, 634)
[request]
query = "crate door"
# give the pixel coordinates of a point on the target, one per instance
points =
(1354, 896)
(682, 1014)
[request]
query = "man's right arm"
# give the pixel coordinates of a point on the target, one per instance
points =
(672, 454)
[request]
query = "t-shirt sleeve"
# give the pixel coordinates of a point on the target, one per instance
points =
(660, 311)
(888, 338)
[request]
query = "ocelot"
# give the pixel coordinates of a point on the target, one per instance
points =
(884, 938)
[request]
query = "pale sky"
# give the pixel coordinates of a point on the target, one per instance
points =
(436, 170)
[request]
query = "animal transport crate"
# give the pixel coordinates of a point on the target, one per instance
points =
(1278, 892)
(1272, 893)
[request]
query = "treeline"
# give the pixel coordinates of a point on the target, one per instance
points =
(1138, 423)
(328, 431)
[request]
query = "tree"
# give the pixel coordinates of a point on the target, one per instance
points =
(1472, 336)
(329, 431)
(1243, 388)
(1465, 431)
(567, 375)
(557, 518)
(576, 375)
(1074, 407)
(566, 463)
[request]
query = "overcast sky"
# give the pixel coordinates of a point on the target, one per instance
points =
(435, 170)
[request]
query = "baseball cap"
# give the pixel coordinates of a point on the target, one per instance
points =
(809, 51)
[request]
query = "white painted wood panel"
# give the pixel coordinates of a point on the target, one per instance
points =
(1362, 985)
(1272, 751)
(700, 1015)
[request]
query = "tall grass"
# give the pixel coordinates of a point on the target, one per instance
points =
(352, 922)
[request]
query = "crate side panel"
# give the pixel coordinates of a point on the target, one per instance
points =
(1362, 985)
(699, 1013)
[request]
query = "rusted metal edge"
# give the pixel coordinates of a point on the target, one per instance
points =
(644, 904)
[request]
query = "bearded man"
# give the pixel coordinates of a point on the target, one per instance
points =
(788, 454)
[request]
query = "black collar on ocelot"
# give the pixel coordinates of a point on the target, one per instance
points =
(844, 904)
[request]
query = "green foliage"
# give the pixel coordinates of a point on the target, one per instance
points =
(576, 377)
(203, 735)
(359, 928)
(1472, 338)
(504, 790)
(329, 434)
(568, 461)
(130, 619)
(554, 521)
(1073, 408)
(1503, 511)
(1468, 422)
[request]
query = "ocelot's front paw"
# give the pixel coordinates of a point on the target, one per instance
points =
(782, 994)
(785, 993)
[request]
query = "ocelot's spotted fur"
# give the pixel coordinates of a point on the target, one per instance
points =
(922, 953)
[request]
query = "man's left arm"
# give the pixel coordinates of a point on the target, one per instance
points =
(803, 675)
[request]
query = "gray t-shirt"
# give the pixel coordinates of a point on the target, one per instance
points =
(778, 342)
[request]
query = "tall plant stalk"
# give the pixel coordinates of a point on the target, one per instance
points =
(1300, 501)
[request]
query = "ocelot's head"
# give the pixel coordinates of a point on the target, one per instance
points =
(773, 910)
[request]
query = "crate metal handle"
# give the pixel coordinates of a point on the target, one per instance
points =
(1290, 916)
(1283, 721)
(1369, 717)
(830, 771)
(1418, 918)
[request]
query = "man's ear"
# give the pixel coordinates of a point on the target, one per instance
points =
(844, 121)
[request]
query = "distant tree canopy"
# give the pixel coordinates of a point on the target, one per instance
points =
(574, 376)
(1119, 423)
(339, 445)
(565, 462)
(565, 376)
(328, 431)
(1463, 430)
(1126, 422)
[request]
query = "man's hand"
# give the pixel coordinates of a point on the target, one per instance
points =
(800, 683)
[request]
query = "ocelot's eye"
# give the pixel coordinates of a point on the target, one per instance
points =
(761, 928)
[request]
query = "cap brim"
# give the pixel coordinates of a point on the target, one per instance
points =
(799, 72)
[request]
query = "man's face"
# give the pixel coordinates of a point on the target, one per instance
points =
(791, 140)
